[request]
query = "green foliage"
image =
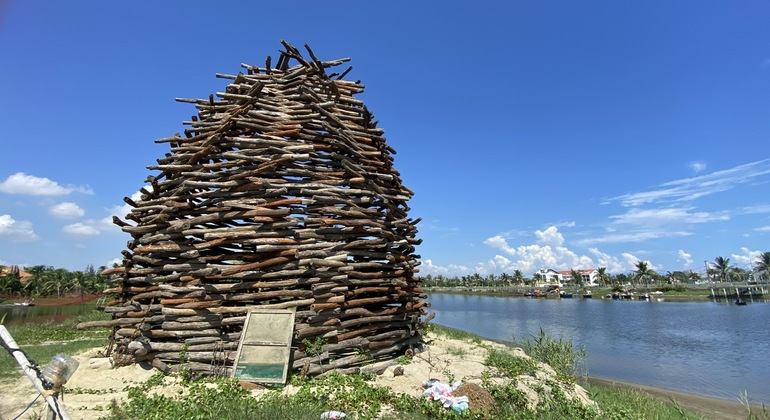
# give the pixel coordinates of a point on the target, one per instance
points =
(50, 281)
(42, 341)
(456, 351)
(346, 393)
(455, 334)
(314, 347)
(363, 355)
(764, 414)
(216, 398)
(403, 360)
(510, 365)
(629, 404)
(46, 332)
(559, 354)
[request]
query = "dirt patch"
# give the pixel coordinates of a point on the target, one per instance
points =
(479, 399)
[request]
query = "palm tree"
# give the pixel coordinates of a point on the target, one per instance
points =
(537, 278)
(602, 276)
(762, 265)
(518, 276)
(643, 271)
(577, 277)
(722, 267)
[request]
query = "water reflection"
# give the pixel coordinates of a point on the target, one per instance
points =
(708, 348)
(17, 314)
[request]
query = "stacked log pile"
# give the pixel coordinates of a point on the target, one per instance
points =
(281, 194)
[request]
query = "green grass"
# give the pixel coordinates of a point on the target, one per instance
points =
(620, 403)
(567, 361)
(454, 334)
(42, 341)
(352, 394)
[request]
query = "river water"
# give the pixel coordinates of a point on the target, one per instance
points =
(17, 314)
(714, 349)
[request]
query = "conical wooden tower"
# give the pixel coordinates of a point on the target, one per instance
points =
(281, 194)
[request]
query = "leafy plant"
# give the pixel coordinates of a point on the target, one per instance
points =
(456, 351)
(510, 365)
(346, 393)
(363, 355)
(403, 360)
(559, 354)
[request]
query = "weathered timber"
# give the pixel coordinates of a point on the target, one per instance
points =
(280, 193)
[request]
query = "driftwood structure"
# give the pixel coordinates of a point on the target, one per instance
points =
(281, 194)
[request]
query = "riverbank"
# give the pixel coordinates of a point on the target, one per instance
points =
(98, 368)
(596, 293)
(96, 383)
(711, 408)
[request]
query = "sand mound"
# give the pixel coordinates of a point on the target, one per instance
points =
(96, 382)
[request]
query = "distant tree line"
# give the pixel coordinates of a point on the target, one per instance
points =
(45, 281)
(720, 270)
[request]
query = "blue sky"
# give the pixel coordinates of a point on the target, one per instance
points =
(549, 134)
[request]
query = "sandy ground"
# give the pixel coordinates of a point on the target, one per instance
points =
(96, 383)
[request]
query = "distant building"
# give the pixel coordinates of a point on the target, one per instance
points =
(14, 269)
(550, 277)
(546, 277)
(588, 275)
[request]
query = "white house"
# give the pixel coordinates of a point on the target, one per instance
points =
(589, 275)
(550, 277)
(547, 277)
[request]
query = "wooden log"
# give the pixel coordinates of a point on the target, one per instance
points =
(193, 356)
(182, 333)
(118, 322)
(171, 325)
(314, 331)
(160, 347)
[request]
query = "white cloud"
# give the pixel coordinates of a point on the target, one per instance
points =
(17, 231)
(21, 183)
(763, 229)
(757, 209)
(81, 229)
(685, 257)
(689, 189)
(746, 258)
(697, 166)
(667, 215)
(548, 252)
(66, 210)
(639, 225)
(500, 243)
(452, 270)
(633, 236)
(113, 262)
(614, 264)
(550, 236)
